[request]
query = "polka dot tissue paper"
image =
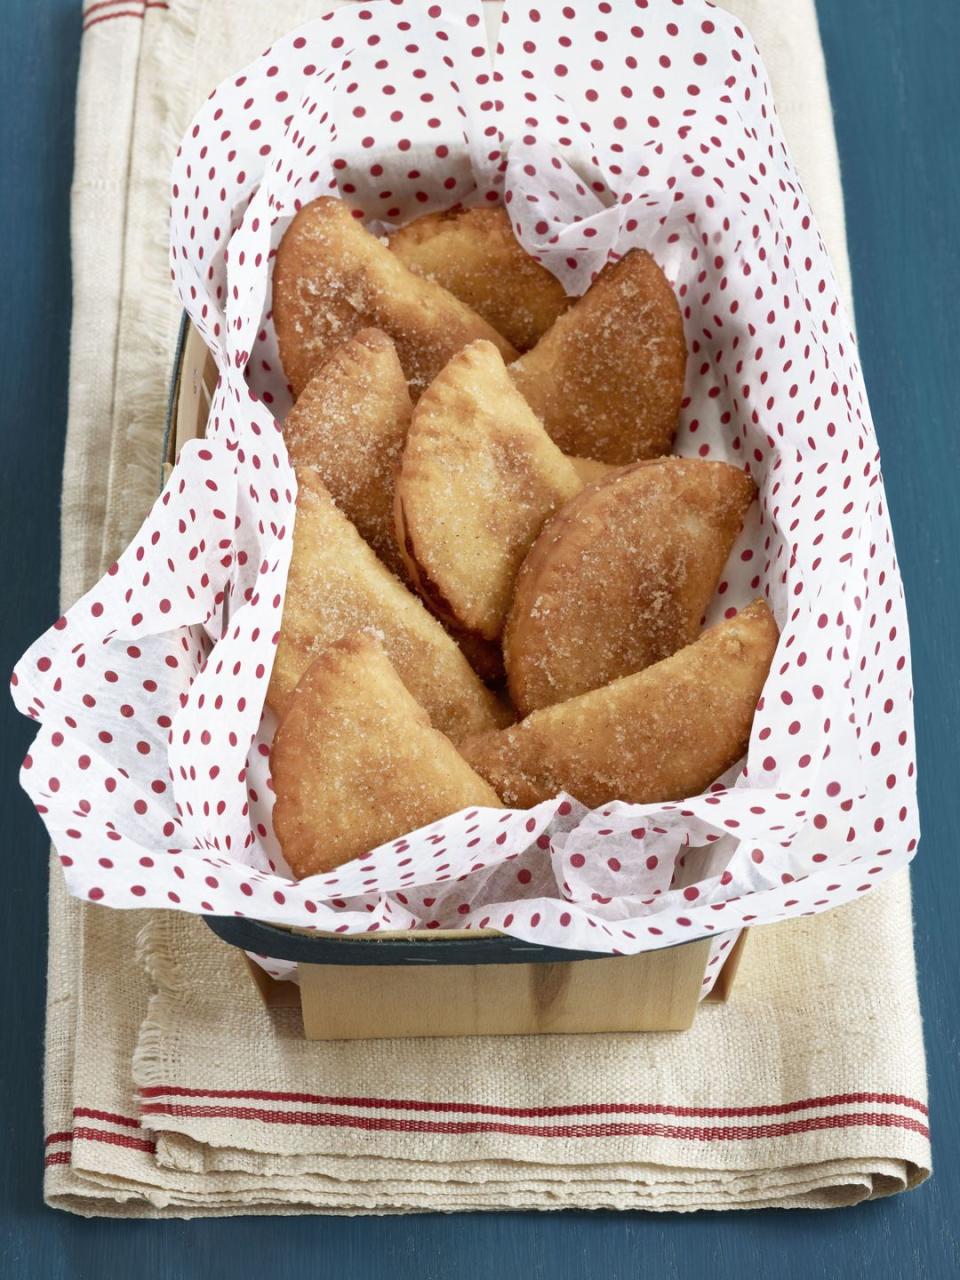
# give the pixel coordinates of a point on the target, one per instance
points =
(601, 127)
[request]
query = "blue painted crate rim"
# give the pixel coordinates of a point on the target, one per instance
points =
(413, 947)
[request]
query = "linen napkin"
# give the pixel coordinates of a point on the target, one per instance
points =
(171, 1089)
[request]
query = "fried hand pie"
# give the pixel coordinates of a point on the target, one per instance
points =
(607, 379)
(350, 422)
(664, 733)
(337, 586)
(621, 576)
(475, 255)
(332, 278)
(355, 762)
(479, 477)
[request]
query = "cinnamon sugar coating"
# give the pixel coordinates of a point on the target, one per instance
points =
(474, 254)
(621, 576)
(478, 479)
(336, 586)
(356, 763)
(607, 379)
(350, 422)
(664, 733)
(332, 278)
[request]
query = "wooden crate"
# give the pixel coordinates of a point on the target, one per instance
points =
(654, 991)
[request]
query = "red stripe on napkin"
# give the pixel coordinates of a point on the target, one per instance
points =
(590, 1108)
(83, 1134)
(86, 1113)
(89, 22)
(617, 1129)
(86, 1133)
(104, 4)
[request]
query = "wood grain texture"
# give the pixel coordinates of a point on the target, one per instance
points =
(892, 67)
(655, 991)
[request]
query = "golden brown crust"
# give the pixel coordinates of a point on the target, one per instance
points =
(664, 733)
(332, 278)
(350, 422)
(620, 577)
(356, 763)
(479, 477)
(607, 379)
(589, 469)
(475, 255)
(336, 586)
(485, 656)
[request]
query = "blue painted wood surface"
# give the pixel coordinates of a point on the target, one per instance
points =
(893, 74)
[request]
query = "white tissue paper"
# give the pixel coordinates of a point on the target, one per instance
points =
(601, 127)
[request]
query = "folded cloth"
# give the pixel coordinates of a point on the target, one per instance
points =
(172, 1090)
